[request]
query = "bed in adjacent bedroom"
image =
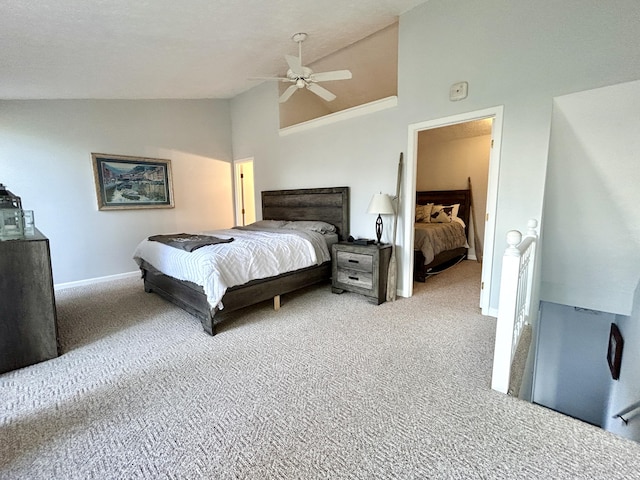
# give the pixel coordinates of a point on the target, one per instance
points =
(210, 274)
(440, 230)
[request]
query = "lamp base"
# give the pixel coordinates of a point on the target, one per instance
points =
(379, 228)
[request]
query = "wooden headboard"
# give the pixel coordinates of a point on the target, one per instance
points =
(330, 205)
(448, 197)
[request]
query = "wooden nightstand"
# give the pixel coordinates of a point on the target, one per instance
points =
(361, 269)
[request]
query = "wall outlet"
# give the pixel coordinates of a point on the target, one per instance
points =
(458, 91)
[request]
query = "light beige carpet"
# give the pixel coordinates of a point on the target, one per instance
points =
(329, 386)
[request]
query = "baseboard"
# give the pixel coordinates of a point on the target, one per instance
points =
(93, 281)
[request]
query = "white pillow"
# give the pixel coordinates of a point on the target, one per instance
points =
(269, 223)
(459, 220)
(444, 213)
(313, 225)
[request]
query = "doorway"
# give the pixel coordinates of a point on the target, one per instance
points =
(245, 204)
(495, 115)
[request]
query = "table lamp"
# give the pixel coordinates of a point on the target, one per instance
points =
(380, 204)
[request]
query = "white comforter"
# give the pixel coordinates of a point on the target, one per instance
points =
(252, 255)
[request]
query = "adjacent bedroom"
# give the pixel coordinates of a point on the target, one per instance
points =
(451, 196)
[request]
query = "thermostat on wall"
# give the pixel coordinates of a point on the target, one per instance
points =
(458, 91)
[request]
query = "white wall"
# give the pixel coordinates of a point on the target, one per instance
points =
(572, 375)
(45, 158)
(357, 153)
(519, 55)
(591, 252)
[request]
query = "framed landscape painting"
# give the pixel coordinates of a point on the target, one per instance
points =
(124, 182)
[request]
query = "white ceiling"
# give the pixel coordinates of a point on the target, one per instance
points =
(170, 48)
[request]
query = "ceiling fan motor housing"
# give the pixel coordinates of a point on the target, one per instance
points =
(299, 37)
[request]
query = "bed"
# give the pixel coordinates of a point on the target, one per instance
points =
(439, 244)
(330, 205)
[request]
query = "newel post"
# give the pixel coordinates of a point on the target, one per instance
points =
(506, 311)
(514, 237)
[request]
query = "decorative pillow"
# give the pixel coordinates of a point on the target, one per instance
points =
(269, 223)
(459, 220)
(444, 213)
(313, 225)
(423, 213)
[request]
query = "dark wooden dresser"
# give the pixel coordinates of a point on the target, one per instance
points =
(28, 323)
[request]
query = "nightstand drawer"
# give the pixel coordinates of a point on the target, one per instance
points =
(355, 278)
(355, 261)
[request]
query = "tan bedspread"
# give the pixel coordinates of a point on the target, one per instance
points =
(433, 238)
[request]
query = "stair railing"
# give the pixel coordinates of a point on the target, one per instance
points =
(629, 409)
(515, 301)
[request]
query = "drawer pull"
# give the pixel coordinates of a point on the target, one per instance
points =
(353, 278)
(353, 261)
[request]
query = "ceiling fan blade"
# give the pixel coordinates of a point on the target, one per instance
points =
(287, 93)
(294, 64)
(328, 76)
(281, 79)
(321, 92)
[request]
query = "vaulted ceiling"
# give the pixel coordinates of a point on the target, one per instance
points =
(170, 49)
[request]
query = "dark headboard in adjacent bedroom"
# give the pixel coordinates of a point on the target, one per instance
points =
(448, 197)
(330, 205)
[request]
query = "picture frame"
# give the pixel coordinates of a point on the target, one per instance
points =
(614, 352)
(127, 182)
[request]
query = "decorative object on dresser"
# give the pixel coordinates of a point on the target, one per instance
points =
(125, 182)
(361, 269)
(14, 221)
(304, 209)
(28, 322)
(380, 204)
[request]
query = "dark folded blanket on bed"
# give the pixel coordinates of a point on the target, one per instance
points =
(188, 241)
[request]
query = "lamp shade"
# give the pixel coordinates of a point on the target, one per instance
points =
(381, 204)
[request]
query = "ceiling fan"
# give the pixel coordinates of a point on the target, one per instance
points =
(303, 77)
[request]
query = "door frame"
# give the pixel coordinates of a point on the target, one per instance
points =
(408, 197)
(238, 188)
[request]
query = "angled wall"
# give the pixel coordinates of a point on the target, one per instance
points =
(591, 248)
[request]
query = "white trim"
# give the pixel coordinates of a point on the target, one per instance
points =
(409, 200)
(492, 208)
(93, 281)
(237, 201)
(352, 112)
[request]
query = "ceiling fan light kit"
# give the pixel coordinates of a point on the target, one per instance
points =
(303, 77)
(299, 37)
